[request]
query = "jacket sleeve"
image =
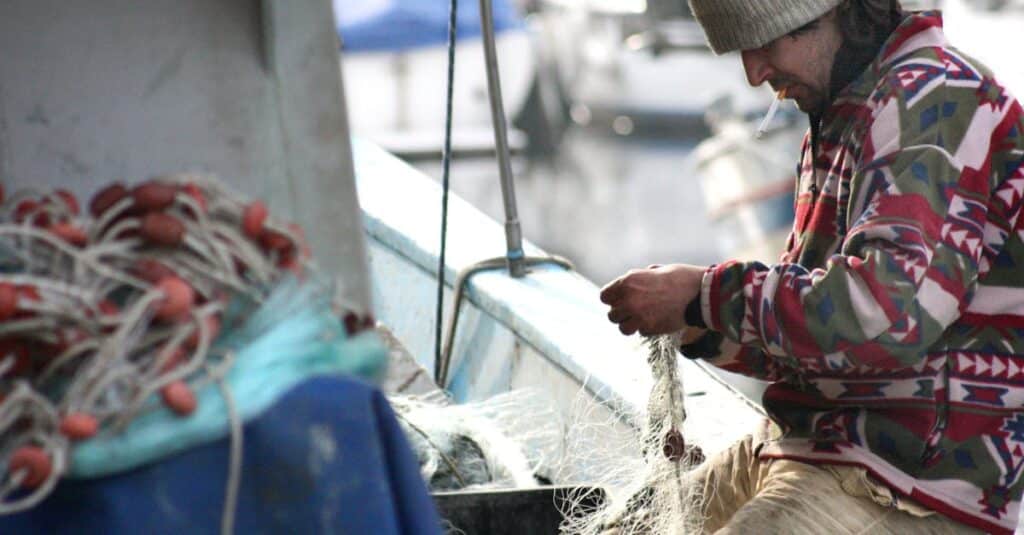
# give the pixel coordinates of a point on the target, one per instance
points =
(724, 353)
(916, 213)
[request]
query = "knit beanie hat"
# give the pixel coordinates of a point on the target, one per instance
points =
(745, 24)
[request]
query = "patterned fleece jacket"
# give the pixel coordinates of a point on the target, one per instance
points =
(893, 326)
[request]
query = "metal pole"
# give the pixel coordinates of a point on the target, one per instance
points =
(513, 233)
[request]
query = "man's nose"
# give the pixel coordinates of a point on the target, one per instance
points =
(757, 67)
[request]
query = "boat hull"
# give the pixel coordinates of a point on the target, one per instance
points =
(546, 331)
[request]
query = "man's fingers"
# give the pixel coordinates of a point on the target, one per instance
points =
(617, 315)
(610, 293)
(655, 298)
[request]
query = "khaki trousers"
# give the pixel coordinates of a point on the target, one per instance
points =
(745, 495)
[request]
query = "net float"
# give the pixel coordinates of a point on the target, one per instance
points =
(28, 208)
(69, 233)
(153, 196)
(34, 461)
(8, 300)
(179, 398)
(151, 271)
(69, 200)
(273, 241)
(79, 426)
(674, 447)
(107, 197)
(196, 193)
(178, 299)
(162, 229)
(253, 218)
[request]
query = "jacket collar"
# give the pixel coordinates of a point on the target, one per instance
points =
(919, 30)
(854, 85)
(916, 31)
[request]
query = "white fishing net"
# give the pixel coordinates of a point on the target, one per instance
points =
(519, 439)
(643, 471)
(508, 441)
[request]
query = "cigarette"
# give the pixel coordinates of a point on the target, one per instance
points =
(774, 107)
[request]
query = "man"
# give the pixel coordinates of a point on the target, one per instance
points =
(892, 328)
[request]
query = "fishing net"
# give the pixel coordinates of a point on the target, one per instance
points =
(108, 316)
(519, 439)
(643, 471)
(512, 440)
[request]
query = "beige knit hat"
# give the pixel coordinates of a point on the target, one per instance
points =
(744, 24)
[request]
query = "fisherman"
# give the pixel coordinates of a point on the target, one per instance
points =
(892, 327)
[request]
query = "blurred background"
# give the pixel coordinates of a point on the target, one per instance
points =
(632, 143)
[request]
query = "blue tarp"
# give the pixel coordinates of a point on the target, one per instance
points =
(328, 457)
(382, 25)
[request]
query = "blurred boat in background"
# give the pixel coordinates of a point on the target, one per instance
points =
(972, 26)
(642, 68)
(636, 65)
(748, 182)
(994, 5)
(396, 59)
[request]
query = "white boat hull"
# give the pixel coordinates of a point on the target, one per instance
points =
(547, 331)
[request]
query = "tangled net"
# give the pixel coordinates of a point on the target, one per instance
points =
(510, 440)
(650, 494)
(102, 311)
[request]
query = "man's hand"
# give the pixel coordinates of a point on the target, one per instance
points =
(652, 301)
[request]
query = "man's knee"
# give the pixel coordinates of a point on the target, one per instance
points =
(728, 480)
